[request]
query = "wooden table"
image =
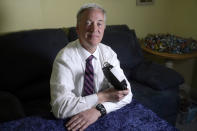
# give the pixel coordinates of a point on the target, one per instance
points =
(170, 56)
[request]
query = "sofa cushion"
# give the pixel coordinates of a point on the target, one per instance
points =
(156, 76)
(119, 28)
(27, 57)
(40, 89)
(126, 46)
(72, 34)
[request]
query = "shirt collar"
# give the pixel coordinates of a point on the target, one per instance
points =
(85, 54)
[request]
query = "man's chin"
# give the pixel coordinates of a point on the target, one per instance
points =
(94, 42)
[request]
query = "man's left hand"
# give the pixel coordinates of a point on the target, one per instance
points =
(82, 120)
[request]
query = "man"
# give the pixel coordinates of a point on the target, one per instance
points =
(78, 87)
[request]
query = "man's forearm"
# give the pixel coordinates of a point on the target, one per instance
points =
(111, 95)
(70, 105)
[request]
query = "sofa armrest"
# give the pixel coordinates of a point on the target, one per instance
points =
(156, 76)
(11, 108)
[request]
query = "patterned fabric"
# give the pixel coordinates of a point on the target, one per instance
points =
(132, 117)
(89, 77)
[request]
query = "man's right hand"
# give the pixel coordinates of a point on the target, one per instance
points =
(111, 95)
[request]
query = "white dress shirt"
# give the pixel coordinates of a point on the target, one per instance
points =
(67, 80)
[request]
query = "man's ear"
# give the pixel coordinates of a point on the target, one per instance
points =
(77, 29)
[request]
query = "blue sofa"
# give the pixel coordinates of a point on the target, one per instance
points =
(26, 64)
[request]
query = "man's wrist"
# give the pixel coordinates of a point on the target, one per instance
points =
(102, 97)
(101, 109)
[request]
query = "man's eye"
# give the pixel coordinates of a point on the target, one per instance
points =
(88, 23)
(99, 24)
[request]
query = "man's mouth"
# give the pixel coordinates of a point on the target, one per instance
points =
(93, 35)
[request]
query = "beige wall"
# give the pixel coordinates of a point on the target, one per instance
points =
(184, 21)
(176, 16)
(30, 14)
(173, 16)
(184, 18)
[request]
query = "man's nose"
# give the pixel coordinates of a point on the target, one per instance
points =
(94, 27)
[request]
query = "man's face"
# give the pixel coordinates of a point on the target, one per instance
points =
(91, 27)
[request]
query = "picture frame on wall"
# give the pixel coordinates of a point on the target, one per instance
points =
(144, 2)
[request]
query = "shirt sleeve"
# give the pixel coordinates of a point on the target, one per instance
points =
(112, 106)
(63, 101)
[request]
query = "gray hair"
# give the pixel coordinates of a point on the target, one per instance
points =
(87, 7)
